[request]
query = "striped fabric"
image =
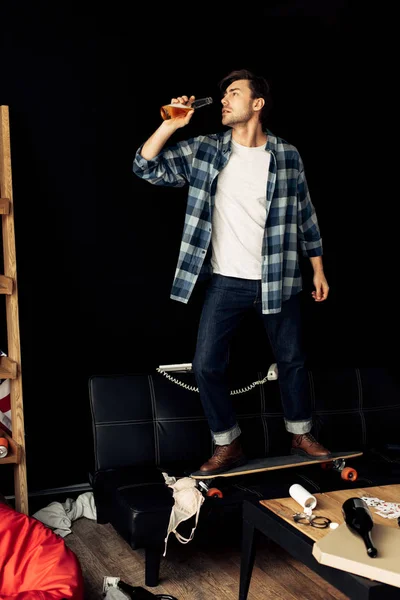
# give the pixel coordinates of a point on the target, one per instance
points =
(291, 224)
(5, 403)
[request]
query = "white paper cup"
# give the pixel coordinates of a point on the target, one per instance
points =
(302, 496)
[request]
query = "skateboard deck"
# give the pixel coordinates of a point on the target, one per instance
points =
(258, 465)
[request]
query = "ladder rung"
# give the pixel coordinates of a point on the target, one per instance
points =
(4, 206)
(14, 450)
(6, 285)
(8, 368)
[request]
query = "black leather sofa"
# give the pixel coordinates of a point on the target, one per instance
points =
(144, 424)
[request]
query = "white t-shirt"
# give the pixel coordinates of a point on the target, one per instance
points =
(240, 212)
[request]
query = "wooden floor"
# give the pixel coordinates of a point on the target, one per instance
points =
(194, 573)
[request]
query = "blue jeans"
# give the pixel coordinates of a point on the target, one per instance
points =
(227, 301)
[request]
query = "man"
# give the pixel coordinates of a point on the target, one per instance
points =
(247, 212)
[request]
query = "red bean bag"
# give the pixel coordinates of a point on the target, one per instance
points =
(35, 563)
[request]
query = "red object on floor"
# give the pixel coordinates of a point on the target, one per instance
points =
(35, 563)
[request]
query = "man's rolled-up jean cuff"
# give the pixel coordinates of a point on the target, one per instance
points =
(222, 438)
(298, 426)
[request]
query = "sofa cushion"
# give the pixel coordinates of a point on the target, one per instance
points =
(141, 513)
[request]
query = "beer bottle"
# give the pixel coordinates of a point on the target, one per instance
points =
(171, 111)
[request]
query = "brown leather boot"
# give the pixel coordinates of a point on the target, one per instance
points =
(224, 458)
(305, 444)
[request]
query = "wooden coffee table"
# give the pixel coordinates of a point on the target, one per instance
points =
(274, 518)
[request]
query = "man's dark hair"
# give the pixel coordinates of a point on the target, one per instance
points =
(259, 87)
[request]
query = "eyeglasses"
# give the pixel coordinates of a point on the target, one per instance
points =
(316, 521)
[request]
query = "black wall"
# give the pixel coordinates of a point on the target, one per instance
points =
(97, 247)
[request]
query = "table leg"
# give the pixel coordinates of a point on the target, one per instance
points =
(247, 559)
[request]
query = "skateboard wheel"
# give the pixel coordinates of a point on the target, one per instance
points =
(214, 493)
(349, 474)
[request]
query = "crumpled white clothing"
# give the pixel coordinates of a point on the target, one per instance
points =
(59, 516)
(115, 594)
(188, 501)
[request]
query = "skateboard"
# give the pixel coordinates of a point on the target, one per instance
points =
(336, 461)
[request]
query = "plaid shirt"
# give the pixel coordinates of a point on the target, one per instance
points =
(291, 223)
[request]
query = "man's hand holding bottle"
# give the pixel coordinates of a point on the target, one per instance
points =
(178, 113)
(175, 115)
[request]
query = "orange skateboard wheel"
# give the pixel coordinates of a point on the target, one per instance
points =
(349, 474)
(214, 493)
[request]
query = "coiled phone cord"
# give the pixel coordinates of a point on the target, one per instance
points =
(193, 388)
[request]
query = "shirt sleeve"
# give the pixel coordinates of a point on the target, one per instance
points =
(171, 167)
(308, 228)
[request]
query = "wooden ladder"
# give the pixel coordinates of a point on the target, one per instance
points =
(10, 365)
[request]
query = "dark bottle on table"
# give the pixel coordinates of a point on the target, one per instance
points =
(358, 518)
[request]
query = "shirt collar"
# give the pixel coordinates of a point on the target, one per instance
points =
(271, 144)
(272, 141)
